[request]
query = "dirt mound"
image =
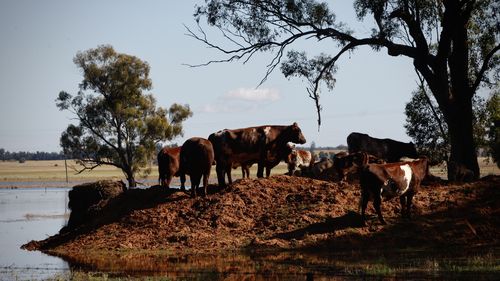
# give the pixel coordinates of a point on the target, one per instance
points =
(87, 200)
(287, 213)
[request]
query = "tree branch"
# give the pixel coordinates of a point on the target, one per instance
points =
(484, 67)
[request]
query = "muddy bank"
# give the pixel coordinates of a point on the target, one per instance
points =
(284, 213)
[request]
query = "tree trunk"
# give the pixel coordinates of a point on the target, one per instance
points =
(130, 178)
(462, 165)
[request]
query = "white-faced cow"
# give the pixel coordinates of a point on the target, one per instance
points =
(197, 156)
(264, 145)
(387, 149)
(389, 180)
(168, 165)
(298, 158)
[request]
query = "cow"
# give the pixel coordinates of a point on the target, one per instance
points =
(299, 158)
(245, 168)
(392, 179)
(168, 165)
(264, 145)
(387, 149)
(196, 159)
(323, 169)
(346, 164)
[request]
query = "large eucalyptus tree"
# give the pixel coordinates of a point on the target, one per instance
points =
(453, 45)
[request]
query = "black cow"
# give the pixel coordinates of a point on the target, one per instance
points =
(386, 149)
(265, 145)
(196, 159)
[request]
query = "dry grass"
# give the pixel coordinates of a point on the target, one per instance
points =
(54, 171)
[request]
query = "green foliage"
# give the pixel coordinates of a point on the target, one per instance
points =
(426, 125)
(429, 132)
(119, 124)
(493, 121)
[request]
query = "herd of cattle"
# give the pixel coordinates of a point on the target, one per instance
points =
(377, 162)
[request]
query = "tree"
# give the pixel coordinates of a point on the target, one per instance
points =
(426, 125)
(453, 45)
(493, 109)
(119, 124)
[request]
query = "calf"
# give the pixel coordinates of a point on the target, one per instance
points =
(322, 169)
(394, 179)
(349, 163)
(168, 165)
(197, 156)
(298, 158)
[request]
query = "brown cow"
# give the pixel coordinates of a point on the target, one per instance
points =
(168, 165)
(197, 156)
(265, 145)
(394, 179)
(299, 158)
(346, 164)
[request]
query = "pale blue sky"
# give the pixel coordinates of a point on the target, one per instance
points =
(38, 40)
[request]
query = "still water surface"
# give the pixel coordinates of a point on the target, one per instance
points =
(30, 214)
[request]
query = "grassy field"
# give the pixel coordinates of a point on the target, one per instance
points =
(54, 171)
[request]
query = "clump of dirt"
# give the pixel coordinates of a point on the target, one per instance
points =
(87, 200)
(283, 212)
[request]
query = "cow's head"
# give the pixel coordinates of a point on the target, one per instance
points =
(389, 188)
(295, 134)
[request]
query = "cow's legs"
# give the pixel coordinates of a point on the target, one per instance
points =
(220, 175)
(205, 182)
(364, 203)
(195, 183)
(168, 181)
(403, 200)
(377, 201)
(409, 199)
(260, 170)
(183, 181)
(229, 178)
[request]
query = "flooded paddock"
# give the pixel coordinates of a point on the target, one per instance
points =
(36, 213)
(30, 214)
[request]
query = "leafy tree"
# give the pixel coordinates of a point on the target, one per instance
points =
(493, 109)
(119, 124)
(426, 125)
(453, 45)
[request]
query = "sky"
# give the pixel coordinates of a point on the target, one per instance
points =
(39, 39)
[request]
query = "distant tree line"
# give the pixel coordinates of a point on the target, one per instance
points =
(22, 156)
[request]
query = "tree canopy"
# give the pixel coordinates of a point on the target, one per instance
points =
(118, 124)
(453, 45)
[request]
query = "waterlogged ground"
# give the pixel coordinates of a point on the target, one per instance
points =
(285, 228)
(26, 213)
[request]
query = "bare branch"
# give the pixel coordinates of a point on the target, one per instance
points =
(484, 67)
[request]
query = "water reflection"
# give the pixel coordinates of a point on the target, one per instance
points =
(30, 214)
(291, 265)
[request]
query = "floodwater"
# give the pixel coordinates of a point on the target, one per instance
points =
(36, 213)
(30, 214)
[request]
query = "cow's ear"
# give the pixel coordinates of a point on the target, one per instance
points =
(295, 124)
